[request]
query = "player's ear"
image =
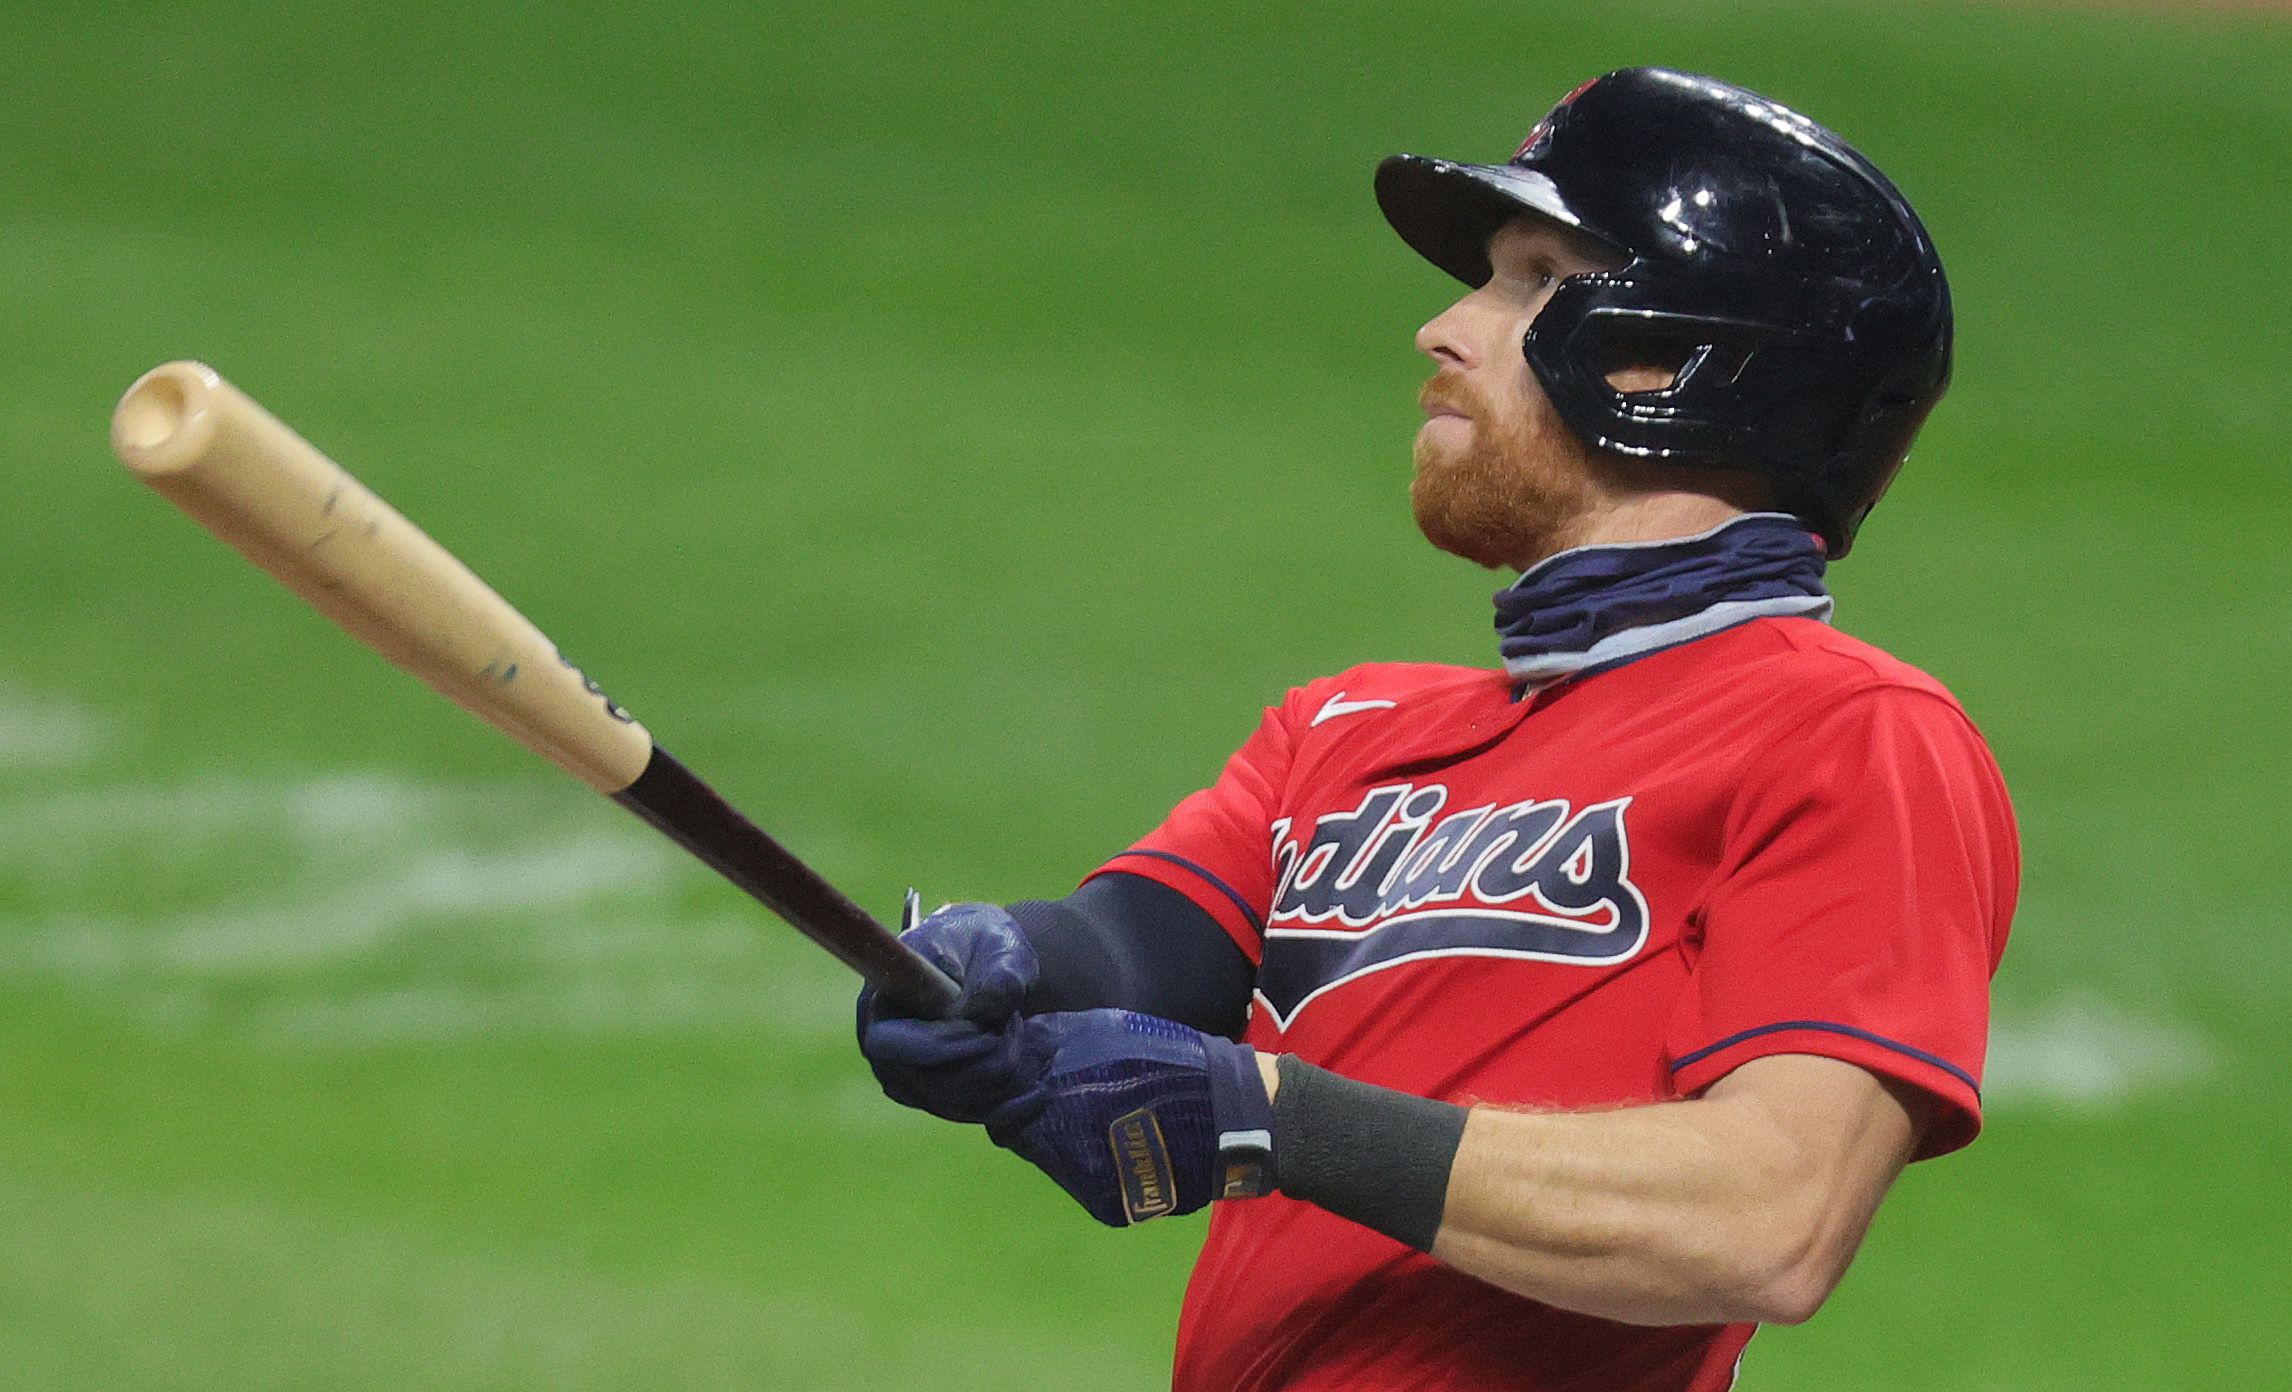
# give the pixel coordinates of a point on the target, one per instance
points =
(1644, 377)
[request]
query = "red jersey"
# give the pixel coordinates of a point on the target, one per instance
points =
(1774, 839)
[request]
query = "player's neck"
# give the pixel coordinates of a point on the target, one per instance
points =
(1638, 517)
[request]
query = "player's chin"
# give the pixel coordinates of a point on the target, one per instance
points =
(1445, 431)
(1476, 549)
(1453, 517)
(1440, 453)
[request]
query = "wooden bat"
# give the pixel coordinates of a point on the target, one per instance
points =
(209, 449)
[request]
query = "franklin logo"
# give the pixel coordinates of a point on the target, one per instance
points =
(1394, 881)
(1149, 1190)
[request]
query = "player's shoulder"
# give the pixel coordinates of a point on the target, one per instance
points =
(1832, 689)
(1819, 659)
(1806, 668)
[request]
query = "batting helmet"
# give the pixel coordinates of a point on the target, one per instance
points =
(1784, 276)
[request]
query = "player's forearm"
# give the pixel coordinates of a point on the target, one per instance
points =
(1684, 1213)
(1745, 1205)
(1129, 943)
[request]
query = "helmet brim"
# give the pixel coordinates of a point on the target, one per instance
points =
(1447, 212)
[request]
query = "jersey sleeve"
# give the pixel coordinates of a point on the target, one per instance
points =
(1867, 880)
(1216, 846)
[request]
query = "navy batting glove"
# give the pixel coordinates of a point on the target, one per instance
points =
(968, 1066)
(1137, 1116)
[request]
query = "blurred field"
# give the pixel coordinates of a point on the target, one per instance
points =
(946, 428)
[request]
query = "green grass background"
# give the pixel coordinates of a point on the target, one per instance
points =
(945, 426)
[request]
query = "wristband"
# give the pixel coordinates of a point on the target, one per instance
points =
(1243, 1115)
(1376, 1156)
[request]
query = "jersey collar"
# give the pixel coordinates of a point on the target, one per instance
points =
(1596, 607)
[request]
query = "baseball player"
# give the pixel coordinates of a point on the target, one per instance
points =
(1551, 1026)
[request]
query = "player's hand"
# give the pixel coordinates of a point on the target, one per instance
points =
(1127, 1113)
(967, 1066)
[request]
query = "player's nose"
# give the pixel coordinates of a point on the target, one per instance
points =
(1444, 341)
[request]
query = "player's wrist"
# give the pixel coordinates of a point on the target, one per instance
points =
(1374, 1155)
(1242, 1110)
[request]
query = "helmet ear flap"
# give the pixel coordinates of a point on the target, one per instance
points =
(1606, 326)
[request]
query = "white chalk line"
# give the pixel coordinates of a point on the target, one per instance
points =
(2082, 1052)
(356, 918)
(332, 922)
(386, 921)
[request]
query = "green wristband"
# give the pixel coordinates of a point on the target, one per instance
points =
(1376, 1156)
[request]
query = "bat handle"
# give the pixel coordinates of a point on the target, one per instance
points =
(689, 812)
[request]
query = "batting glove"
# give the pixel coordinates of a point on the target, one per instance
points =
(964, 1068)
(1136, 1116)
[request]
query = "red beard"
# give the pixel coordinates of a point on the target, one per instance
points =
(1503, 498)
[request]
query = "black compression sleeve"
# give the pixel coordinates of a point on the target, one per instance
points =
(1127, 941)
(1376, 1156)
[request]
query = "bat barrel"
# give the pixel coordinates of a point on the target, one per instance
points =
(236, 469)
(243, 475)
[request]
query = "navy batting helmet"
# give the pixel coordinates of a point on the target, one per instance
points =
(1775, 267)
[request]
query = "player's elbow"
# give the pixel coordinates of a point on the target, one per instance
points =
(1790, 1297)
(1755, 1281)
(1795, 1270)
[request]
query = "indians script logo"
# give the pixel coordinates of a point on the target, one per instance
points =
(1394, 881)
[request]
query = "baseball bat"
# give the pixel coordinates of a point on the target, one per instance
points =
(239, 472)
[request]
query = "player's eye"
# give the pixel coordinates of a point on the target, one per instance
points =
(1529, 281)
